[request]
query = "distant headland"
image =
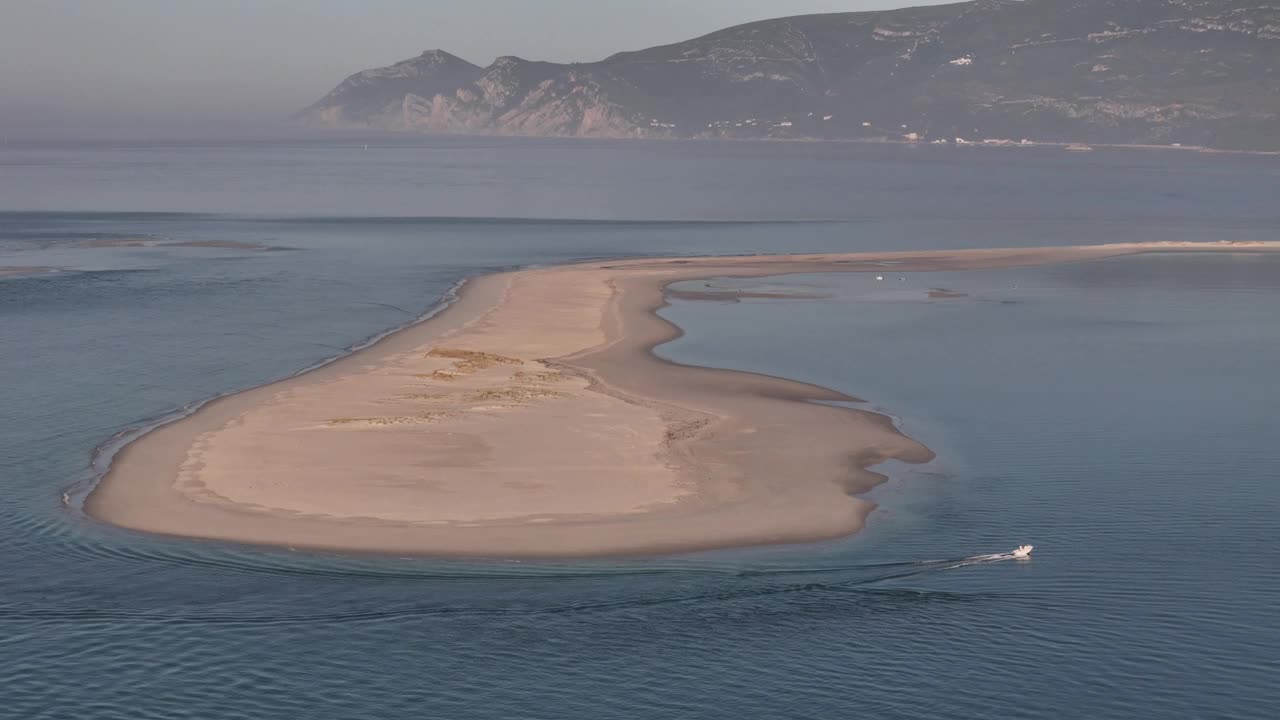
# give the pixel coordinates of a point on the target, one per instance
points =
(1193, 74)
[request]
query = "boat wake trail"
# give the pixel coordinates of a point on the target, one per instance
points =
(1022, 552)
(898, 571)
(533, 592)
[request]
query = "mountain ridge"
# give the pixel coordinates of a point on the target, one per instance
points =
(1168, 72)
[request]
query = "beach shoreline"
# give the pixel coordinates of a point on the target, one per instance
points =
(531, 418)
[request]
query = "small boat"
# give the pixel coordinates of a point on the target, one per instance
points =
(1023, 551)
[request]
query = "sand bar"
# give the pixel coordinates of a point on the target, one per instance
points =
(531, 419)
(22, 270)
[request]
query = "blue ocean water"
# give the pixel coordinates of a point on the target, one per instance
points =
(1116, 414)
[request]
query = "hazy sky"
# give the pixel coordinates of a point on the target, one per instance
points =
(102, 63)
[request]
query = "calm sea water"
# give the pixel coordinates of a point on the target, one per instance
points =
(1116, 414)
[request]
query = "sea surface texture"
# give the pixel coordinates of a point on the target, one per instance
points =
(1120, 415)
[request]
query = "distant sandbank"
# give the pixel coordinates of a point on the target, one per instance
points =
(19, 270)
(531, 418)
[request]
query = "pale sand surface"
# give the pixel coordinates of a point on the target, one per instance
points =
(144, 241)
(16, 270)
(530, 418)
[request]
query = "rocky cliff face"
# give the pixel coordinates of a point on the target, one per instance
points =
(1195, 72)
(375, 98)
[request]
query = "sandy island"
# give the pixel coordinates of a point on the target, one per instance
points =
(530, 418)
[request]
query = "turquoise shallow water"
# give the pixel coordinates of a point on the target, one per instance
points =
(1119, 415)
